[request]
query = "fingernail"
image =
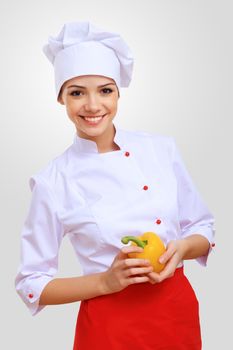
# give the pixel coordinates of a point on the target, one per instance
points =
(161, 260)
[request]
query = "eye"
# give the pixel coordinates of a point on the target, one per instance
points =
(75, 93)
(107, 90)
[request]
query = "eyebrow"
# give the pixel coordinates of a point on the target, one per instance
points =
(84, 87)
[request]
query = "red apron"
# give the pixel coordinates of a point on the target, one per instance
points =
(142, 316)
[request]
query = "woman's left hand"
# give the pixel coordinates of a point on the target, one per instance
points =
(172, 257)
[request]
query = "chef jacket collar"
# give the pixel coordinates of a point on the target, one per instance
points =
(88, 146)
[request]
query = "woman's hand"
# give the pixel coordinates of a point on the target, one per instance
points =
(190, 247)
(125, 271)
(172, 257)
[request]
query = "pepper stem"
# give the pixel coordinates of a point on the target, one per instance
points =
(134, 239)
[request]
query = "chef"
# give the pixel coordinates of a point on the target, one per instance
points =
(108, 184)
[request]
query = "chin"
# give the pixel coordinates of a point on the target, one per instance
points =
(91, 132)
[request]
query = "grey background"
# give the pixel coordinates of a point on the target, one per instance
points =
(182, 86)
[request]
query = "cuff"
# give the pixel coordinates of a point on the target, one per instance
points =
(208, 233)
(30, 293)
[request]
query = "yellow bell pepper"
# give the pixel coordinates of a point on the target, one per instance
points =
(153, 248)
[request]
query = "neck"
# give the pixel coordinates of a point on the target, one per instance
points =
(105, 141)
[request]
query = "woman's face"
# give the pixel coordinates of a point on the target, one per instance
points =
(91, 104)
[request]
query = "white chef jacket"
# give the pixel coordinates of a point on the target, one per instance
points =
(97, 198)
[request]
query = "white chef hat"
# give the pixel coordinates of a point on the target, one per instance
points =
(83, 49)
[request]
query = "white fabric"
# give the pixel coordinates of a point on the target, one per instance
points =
(84, 49)
(97, 198)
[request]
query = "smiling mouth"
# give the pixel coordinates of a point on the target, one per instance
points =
(93, 120)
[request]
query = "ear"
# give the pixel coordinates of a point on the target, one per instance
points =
(60, 99)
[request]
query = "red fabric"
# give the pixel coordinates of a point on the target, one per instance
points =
(141, 317)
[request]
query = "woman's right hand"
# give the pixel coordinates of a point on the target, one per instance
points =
(125, 271)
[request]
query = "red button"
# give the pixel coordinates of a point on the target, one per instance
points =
(127, 154)
(145, 188)
(30, 295)
(213, 245)
(158, 221)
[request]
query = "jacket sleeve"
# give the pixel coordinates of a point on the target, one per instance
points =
(194, 216)
(41, 237)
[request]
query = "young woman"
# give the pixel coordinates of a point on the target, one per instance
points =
(110, 183)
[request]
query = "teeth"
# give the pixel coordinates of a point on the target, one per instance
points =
(93, 119)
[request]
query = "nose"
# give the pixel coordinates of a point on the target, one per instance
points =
(92, 104)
